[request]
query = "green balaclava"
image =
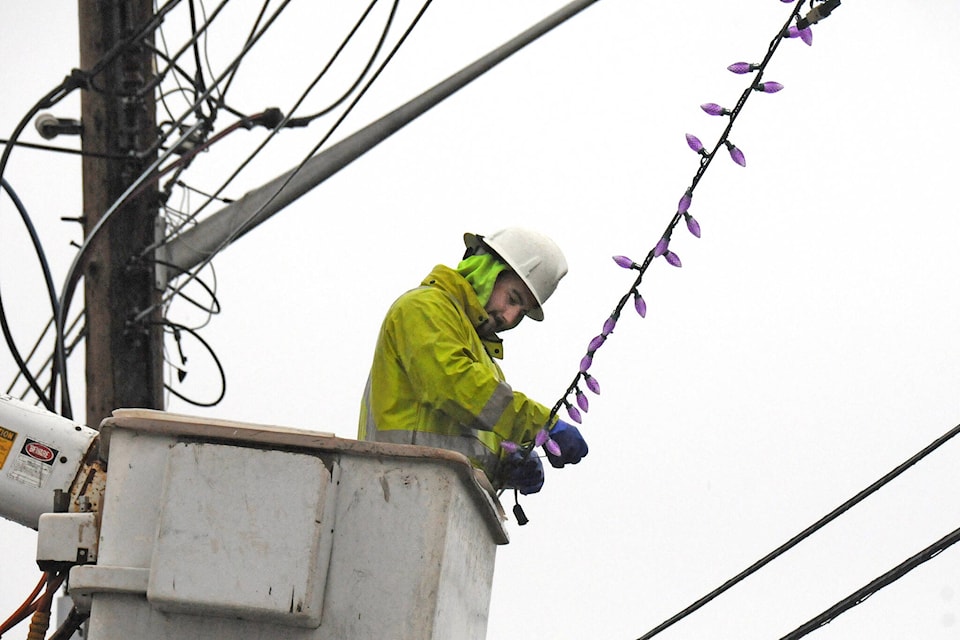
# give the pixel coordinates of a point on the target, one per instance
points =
(481, 271)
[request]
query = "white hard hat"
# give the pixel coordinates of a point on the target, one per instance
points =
(533, 256)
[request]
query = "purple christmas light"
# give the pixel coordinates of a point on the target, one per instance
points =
(694, 143)
(574, 413)
(768, 87)
(692, 225)
(608, 325)
(552, 447)
(713, 109)
(582, 401)
(596, 343)
(591, 383)
(672, 258)
(805, 34)
(541, 438)
(661, 247)
(585, 362)
(742, 67)
(735, 154)
(509, 447)
(684, 203)
(640, 305)
(625, 262)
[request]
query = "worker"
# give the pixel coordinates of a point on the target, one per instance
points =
(434, 379)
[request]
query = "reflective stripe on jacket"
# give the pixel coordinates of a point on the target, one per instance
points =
(434, 382)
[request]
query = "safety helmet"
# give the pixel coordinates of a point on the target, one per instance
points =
(533, 256)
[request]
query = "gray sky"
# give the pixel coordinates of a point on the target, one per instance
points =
(806, 347)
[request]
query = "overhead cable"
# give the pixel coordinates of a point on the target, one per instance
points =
(48, 402)
(806, 533)
(864, 592)
(73, 274)
(243, 227)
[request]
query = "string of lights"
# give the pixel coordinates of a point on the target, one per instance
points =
(795, 27)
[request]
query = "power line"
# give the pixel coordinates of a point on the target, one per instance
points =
(861, 594)
(806, 533)
(244, 227)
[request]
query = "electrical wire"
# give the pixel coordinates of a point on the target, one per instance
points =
(253, 30)
(74, 80)
(24, 609)
(48, 147)
(242, 228)
(806, 533)
(861, 594)
(212, 310)
(175, 329)
(303, 121)
(59, 92)
(71, 624)
(190, 44)
(284, 120)
(175, 290)
(49, 359)
(73, 274)
(51, 293)
(39, 607)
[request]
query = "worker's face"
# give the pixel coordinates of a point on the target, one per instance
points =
(508, 304)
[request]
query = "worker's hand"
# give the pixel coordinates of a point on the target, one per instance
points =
(526, 476)
(572, 445)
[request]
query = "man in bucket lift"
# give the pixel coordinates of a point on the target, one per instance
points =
(434, 379)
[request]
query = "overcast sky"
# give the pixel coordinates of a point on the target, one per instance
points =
(807, 346)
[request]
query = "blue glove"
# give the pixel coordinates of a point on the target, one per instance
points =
(572, 445)
(526, 476)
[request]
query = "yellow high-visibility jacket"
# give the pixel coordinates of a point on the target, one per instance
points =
(434, 381)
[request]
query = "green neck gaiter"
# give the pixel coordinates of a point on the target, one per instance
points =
(481, 271)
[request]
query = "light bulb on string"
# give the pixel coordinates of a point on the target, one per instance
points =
(742, 67)
(596, 343)
(639, 304)
(661, 247)
(805, 34)
(694, 143)
(582, 401)
(768, 87)
(591, 383)
(609, 324)
(692, 225)
(735, 154)
(713, 109)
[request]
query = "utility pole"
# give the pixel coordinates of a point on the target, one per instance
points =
(124, 359)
